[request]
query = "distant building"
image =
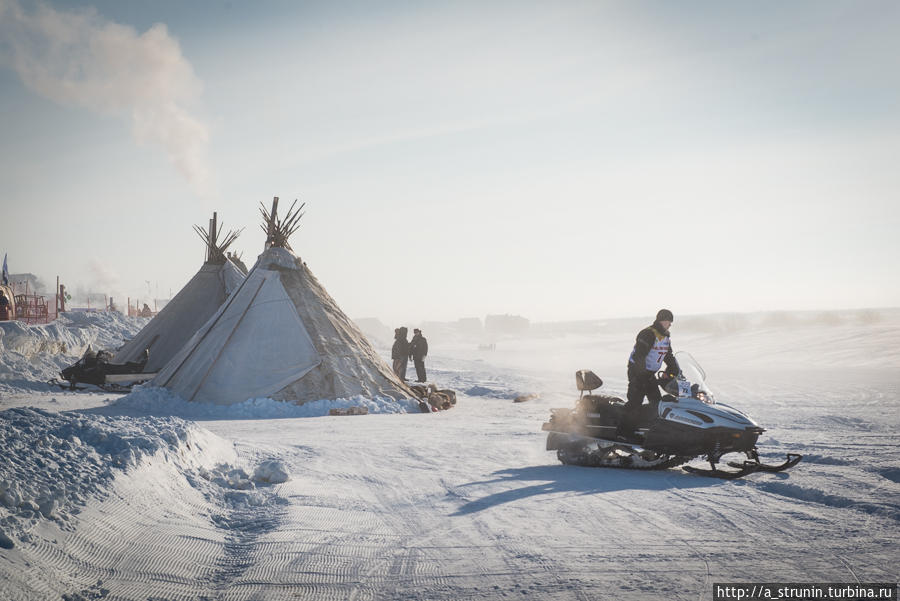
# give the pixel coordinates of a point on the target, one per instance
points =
(506, 324)
(469, 326)
(436, 330)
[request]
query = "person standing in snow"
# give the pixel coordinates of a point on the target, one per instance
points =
(400, 352)
(418, 349)
(652, 347)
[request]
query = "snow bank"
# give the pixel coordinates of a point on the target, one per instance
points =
(30, 355)
(53, 463)
(149, 400)
(70, 334)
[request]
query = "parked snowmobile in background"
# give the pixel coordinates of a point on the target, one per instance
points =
(687, 423)
(94, 371)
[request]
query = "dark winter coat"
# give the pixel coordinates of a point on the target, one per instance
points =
(418, 347)
(644, 341)
(400, 350)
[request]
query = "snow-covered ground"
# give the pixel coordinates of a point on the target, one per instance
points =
(146, 497)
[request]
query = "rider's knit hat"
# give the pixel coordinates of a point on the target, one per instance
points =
(664, 315)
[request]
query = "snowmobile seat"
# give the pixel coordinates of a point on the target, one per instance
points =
(585, 379)
(598, 403)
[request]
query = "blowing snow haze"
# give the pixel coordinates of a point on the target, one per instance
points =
(569, 161)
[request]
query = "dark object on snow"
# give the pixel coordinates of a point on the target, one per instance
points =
(685, 423)
(522, 398)
(349, 411)
(93, 367)
(432, 399)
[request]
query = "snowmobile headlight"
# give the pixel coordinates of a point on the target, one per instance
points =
(702, 395)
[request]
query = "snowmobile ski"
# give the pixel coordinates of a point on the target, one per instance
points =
(85, 387)
(792, 460)
(747, 468)
(66, 385)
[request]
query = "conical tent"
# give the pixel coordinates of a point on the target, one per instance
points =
(194, 304)
(282, 336)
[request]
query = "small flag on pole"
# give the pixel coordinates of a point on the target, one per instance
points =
(5, 272)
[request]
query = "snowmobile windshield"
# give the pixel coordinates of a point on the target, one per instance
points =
(693, 373)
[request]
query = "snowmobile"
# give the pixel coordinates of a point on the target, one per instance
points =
(687, 423)
(94, 371)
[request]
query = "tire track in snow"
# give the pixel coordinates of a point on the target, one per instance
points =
(818, 496)
(636, 573)
(807, 545)
(140, 540)
(545, 573)
(548, 568)
(323, 540)
(243, 526)
(480, 563)
(401, 564)
(363, 546)
(756, 523)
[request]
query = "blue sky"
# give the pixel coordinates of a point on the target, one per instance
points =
(559, 161)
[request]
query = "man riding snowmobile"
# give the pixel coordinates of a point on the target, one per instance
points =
(652, 347)
(687, 422)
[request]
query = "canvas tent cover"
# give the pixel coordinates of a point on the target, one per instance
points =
(280, 335)
(194, 304)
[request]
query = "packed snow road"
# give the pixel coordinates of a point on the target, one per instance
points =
(466, 504)
(463, 504)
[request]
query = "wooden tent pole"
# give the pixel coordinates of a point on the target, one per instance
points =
(270, 230)
(209, 243)
(212, 236)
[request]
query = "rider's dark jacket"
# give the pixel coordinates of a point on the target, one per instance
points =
(652, 347)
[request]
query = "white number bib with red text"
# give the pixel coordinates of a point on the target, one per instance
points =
(657, 354)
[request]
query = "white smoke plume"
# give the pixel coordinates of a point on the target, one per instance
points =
(80, 58)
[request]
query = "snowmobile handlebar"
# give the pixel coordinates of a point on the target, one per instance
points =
(676, 385)
(663, 377)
